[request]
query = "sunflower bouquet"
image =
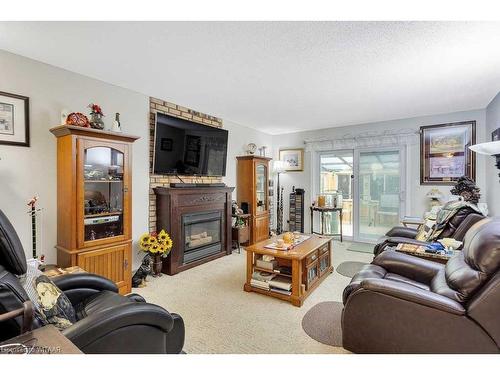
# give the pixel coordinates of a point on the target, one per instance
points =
(156, 243)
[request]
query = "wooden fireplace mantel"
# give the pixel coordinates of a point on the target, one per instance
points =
(173, 203)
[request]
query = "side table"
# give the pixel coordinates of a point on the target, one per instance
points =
(322, 211)
(45, 340)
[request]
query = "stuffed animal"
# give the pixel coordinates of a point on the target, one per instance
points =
(139, 278)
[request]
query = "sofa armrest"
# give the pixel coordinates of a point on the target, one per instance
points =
(402, 232)
(79, 286)
(411, 293)
(414, 268)
(92, 328)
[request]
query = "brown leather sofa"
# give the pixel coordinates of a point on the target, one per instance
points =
(456, 228)
(404, 304)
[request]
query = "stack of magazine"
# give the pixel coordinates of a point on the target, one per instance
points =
(271, 282)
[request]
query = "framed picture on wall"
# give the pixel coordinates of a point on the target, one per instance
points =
(14, 120)
(445, 154)
(294, 159)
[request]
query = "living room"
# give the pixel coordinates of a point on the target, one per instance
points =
(307, 189)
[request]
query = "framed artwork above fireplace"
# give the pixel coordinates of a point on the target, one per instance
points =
(445, 154)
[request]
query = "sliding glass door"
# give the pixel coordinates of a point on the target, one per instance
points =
(371, 184)
(379, 181)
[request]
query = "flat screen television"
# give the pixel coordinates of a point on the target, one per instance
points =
(187, 148)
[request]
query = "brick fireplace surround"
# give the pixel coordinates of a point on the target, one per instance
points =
(161, 106)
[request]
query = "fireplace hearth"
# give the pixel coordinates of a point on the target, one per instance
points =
(199, 222)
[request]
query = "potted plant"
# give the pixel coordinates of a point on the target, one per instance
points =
(158, 245)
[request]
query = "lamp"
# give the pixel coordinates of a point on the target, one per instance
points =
(279, 166)
(488, 148)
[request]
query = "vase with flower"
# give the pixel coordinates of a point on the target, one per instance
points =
(96, 116)
(158, 245)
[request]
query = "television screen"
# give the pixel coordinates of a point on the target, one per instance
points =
(187, 148)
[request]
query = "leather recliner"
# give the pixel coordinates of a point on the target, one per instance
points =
(404, 304)
(456, 228)
(107, 322)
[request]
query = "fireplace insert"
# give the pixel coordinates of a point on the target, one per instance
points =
(202, 234)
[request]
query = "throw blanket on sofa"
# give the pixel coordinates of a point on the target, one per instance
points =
(449, 210)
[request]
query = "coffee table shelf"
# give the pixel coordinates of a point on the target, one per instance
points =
(307, 261)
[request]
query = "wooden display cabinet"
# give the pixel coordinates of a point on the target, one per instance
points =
(253, 176)
(94, 202)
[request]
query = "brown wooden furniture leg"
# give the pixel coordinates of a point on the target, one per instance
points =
(296, 281)
(247, 287)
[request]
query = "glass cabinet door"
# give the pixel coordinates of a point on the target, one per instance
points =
(260, 188)
(103, 193)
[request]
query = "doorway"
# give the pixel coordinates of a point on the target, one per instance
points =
(370, 183)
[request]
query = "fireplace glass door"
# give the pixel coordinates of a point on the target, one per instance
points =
(202, 235)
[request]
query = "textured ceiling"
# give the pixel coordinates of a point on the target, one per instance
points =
(280, 77)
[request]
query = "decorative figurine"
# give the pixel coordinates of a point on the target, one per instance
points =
(78, 119)
(467, 189)
(96, 116)
(116, 124)
(140, 276)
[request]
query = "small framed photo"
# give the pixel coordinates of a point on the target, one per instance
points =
(445, 154)
(14, 120)
(294, 159)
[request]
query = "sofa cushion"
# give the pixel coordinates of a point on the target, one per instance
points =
(99, 302)
(12, 255)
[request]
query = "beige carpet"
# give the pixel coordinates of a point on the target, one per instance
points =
(221, 318)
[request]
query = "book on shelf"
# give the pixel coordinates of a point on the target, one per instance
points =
(285, 270)
(260, 284)
(281, 282)
(281, 291)
(267, 265)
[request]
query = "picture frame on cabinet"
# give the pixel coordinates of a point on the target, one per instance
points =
(14, 120)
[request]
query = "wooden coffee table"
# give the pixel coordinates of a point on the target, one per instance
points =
(310, 262)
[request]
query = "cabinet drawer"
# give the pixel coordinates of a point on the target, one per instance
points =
(312, 257)
(323, 249)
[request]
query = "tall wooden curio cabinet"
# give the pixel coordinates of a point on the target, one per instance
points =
(94, 202)
(253, 193)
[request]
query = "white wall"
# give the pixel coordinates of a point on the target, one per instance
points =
(493, 184)
(416, 202)
(25, 172)
(239, 137)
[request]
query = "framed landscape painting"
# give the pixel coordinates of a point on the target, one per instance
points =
(14, 120)
(445, 154)
(294, 159)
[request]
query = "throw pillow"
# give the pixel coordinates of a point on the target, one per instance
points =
(55, 307)
(425, 230)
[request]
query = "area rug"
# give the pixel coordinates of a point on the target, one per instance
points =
(323, 323)
(361, 247)
(349, 269)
